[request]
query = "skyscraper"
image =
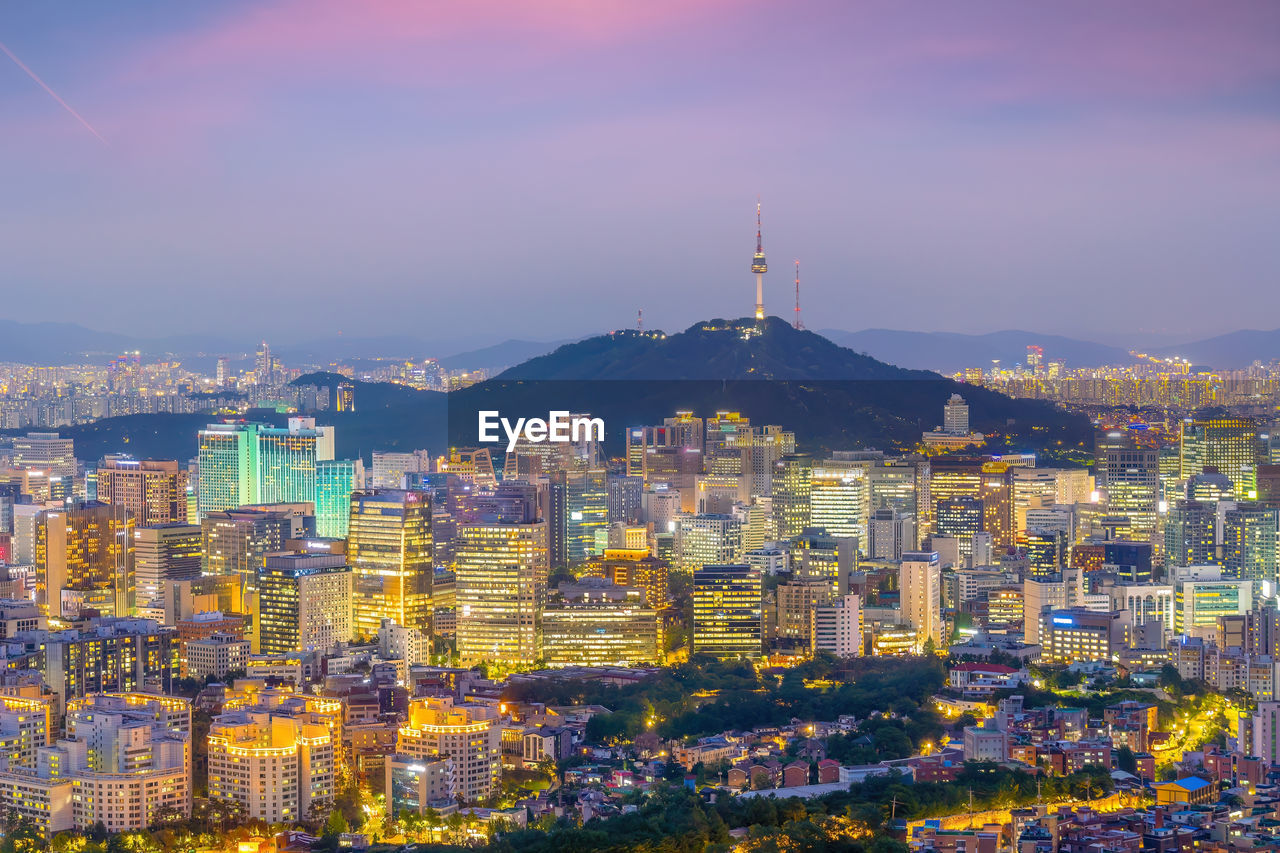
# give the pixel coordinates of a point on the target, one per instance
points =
(1249, 532)
(707, 539)
(920, 582)
(227, 457)
(336, 479)
(791, 491)
(1190, 534)
(304, 603)
(46, 451)
(727, 611)
(236, 541)
(955, 416)
(287, 460)
(1228, 444)
(85, 560)
(389, 548)
(164, 552)
(153, 491)
(1130, 477)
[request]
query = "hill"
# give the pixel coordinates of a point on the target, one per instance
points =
(1233, 350)
(948, 352)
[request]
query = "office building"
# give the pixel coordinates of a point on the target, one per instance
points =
(304, 603)
(227, 460)
(596, 623)
(791, 492)
(1227, 445)
(920, 579)
(215, 656)
(336, 480)
(632, 567)
(287, 460)
(840, 499)
(111, 656)
(1130, 478)
(389, 548)
(1249, 532)
(1077, 634)
(414, 785)
(889, 533)
(236, 541)
(47, 452)
(727, 602)
(501, 587)
(164, 552)
(707, 539)
(85, 560)
(153, 491)
(1202, 595)
(837, 626)
(470, 735)
(1190, 534)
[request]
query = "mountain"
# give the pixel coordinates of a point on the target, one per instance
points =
(56, 343)
(501, 355)
(832, 397)
(948, 352)
(1235, 349)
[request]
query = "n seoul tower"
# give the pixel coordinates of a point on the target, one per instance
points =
(759, 267)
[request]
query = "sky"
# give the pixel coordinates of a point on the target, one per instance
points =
(479, 170)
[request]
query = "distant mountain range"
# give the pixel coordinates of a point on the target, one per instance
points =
(830, 396)
(946, 352)
(949, 352)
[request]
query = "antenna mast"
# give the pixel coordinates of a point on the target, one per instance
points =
(798, 324)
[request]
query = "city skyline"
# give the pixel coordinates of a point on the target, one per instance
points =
(284, 162)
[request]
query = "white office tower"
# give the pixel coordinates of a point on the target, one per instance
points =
(920, 580)
(955, 416)
(837, 627)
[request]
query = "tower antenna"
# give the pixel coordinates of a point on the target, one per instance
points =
(798, 325)
(758, 266)
(640, 319)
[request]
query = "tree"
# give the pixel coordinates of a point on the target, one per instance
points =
(336, 824)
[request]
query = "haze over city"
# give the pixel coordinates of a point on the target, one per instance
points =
(570, 163)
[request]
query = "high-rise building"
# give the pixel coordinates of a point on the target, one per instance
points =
(758, 449)
(595, 623)
(840, 499)
(304, 603)
(287, 460)
(727, 611)
(586, 510)
(817, 555)
(960, 518)
(791, 492)
(1201, 595)
(389, 548)
(236, 541)
(1130, 478)
(47, 452)
(1190, 534)
(274, 763)
(707, 539)
(632, 567)
(390, 467)
(164, 552)
(1249, 532)
(837, 626)
(336, 480)
(1079, 634)
(85, 560)
(112, 656)
(227, 460)
(955, 416)
(1228, 444)
(153, 491)
(920, 579)
(468, 734)
(502, 569)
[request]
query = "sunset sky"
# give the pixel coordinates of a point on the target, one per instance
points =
(484, 170)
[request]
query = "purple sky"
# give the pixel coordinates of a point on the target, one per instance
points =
(544, 169)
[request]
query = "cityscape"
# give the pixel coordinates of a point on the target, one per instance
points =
(308, 544)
